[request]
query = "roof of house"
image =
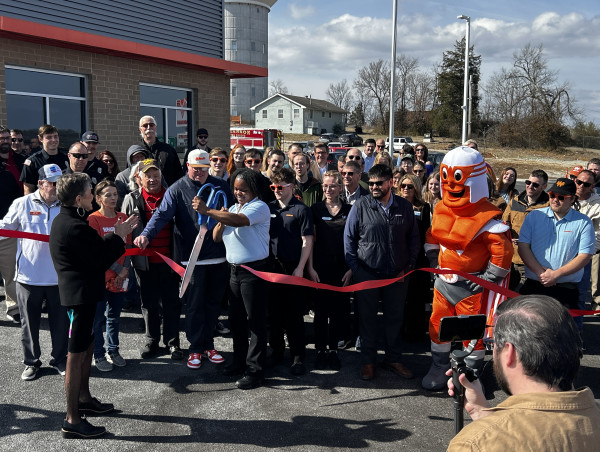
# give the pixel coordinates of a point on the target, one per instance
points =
(306, 102)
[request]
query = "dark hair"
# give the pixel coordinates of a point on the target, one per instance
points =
(353, 164)
(511, 187)
(252, 152)
(369, 141)
(284, 175)
(46, 129)
(380, 171)
(321, 145)
(104, 183)
(116, 169)
(254, 179)
(424, 149)
(545, 338)
(540, 174)
(16, 131)
(407, 148)
(70, 186)
(304, 155)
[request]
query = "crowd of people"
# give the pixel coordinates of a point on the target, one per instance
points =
(362, 218)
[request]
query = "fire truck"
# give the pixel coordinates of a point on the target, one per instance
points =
(256, 138)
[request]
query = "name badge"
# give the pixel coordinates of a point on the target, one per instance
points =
(417, 214)
(289, 215)
(273, 215)
(35, 212)
(326, 218)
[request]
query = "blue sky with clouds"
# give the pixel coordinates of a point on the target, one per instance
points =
(313, 43)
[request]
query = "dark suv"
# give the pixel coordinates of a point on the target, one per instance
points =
(351, 139)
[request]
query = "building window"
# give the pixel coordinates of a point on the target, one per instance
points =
(296, 113)
(252, 46)
(233, 45)
(234, 113)
(322, 114)
(264, 48)
(253, 91)
(311, 114)
(171, 107)
(234, 91)
(280, 113)
(330, 114)
(35, 97)
(264, 114)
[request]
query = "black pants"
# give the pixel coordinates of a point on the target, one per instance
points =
(248, 300)
(286, 313)
(30, 300)
(159, 290)
(566, 295)
(203, 305)
(367, 301)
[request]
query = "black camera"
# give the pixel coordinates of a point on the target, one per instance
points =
(457, 329)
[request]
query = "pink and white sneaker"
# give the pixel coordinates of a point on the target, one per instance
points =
(194, 361)
(214, 356)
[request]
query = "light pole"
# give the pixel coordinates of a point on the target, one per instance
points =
(466, 81)
(393, 78)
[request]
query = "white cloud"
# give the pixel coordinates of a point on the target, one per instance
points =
(309, 58)
(301, 12)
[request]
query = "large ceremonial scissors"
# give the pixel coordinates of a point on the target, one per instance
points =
(206, 223)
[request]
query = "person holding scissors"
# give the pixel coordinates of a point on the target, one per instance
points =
(209, 278)
(245, 231)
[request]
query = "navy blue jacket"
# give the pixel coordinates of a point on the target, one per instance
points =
(380, 244)
(177, 205)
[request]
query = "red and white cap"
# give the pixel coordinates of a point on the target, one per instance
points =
(198, 159)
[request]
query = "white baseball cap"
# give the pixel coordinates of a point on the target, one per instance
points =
(51, 172)
(198, 158)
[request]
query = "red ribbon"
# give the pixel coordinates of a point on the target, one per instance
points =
(279, 278)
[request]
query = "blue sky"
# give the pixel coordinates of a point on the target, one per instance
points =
(313, 43)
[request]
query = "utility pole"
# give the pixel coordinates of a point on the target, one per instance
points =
(466, 81)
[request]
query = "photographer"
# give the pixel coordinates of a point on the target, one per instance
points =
(537, 352)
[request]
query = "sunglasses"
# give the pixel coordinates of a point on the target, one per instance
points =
(218, 159)
(14, 140)
(534, 185)
(572, 177)
(377, 183)
(560, 197)
(418, 171)
(380, 146)
(353, 157)
(79, 156)
(108, 160)
(407, 186)
(347, 173)
(585, 184)
(203, 137)
(251, 161)
(278, 187)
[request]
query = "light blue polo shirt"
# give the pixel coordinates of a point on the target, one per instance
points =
(556, 242)
(248, 243)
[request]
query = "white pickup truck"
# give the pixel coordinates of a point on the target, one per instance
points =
(399, 142)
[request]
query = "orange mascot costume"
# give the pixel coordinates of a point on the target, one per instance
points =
(466, 234)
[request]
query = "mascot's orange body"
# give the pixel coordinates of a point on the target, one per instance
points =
(466, 235)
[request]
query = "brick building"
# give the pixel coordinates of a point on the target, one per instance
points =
(102, 65)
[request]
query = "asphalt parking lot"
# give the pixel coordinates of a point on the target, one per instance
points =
(164, 406)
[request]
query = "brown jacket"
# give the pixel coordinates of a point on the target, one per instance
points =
(515, 214)
(546, 421)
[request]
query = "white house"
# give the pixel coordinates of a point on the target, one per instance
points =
(296, 114)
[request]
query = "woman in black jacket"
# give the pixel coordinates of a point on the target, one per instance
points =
(81, 257)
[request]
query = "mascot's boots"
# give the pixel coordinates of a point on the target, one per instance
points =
(436, 378)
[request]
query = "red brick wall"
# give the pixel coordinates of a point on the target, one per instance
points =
(113, 91)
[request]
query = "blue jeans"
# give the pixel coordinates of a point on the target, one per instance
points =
(111, 306)
(583, 287)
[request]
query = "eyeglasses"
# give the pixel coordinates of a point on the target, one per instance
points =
(79, 156)
(251, 161)
(203, 137)
(560, 197)
(534, 185)
(376, 183)
(14, 140)
(218, 159)
(353, 157)
(585, 184)
(347, 173)
(407, 186)
(150, 125)
(278, 187)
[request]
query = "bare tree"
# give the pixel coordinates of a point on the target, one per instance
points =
(374, 79)
(421, 96)
(405, 68)
(340, 94)
(277, 87)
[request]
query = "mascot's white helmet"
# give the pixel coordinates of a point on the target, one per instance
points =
(463, 177)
